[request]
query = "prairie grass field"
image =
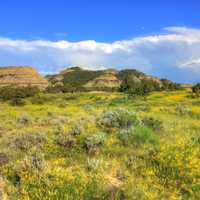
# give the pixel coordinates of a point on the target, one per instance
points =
(98, 145)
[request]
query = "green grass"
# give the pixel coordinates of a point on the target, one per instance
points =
(136, 162)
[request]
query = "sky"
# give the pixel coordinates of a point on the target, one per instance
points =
(158, 37)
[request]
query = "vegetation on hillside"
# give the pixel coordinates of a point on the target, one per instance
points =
(196, 89)
(132, 81)
(98, 146)
(16, 95)
(133, 85)
(73, 80)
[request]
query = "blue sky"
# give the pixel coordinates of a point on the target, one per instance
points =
(101, 20)
(160, 37)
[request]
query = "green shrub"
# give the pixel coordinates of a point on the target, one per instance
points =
(34, 163)
(182, 109)
(137, 135)
(67, 141)
(38, 161)
(17, 102)
(152, 123)
(169, 85)
(143, 135)
(93, 164)
(196, 89)
(126, 118)
(145, 108)
(108, 120)
(120, 118)
(76, 130)
(134, 85)
(27, 141)
(12, 93)
(41, 98)
(3, 159)
(54, 89)
(94, 142)
(24, 119)
(70, 97)
(22, 167)
(125, 135)
(132, 160)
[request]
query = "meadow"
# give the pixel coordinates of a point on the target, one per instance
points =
(92, 146)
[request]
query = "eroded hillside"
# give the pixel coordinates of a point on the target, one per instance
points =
(21, 76)
(109, 79)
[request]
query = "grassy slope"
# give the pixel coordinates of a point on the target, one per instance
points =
(164, 167)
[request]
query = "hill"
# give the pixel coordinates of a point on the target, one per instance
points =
(104, 80)
(22, 76)
(78, 79)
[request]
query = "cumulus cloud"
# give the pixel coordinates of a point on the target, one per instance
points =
(172, 54)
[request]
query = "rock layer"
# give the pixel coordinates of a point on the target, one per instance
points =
(108, 79)
(22, 76)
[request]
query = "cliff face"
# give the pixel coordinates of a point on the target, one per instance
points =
(108, 79)
(21, 76)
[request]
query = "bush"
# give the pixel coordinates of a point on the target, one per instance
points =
(94, 142)
(196, 89)
(126, 118)
(182, 109)
(152, 123)
(3, 159)
(134, 85)
(76, 130)
(17, 102)
(66, 141)
(143, 135)
(58, 120)
(145, 108)
(54, 89)
(70, 97)
(120, 118)
(125, 135)
(12, 93)
(38, 161)
(22, 167)
(169, 85)
(108, 120)
(132, 160)
(40, 99)
(24, 119)
(93, 164)
(136, 136)
(32, 163)
(27, 141)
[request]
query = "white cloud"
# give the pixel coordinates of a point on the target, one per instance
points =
(192, 63)
(173, 54)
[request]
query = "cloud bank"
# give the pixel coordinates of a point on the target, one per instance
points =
(172, 54)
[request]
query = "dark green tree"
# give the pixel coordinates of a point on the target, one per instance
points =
(196, 89)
